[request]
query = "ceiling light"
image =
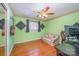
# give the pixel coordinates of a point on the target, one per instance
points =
(40, 16)
(46, 16)
(44, 13)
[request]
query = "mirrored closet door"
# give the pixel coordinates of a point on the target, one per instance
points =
(2, 29)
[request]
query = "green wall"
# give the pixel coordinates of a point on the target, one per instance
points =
(23, 36)
(1, 38)
(55, 26)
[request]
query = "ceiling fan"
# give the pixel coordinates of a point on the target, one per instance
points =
(44, 13)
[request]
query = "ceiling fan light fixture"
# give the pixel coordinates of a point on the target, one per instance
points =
(40, 16)
(44, 13)
(44, 9)
(46, 16)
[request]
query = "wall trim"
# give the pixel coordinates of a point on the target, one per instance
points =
(27, 41)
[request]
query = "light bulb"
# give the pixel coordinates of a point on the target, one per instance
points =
(44, 14)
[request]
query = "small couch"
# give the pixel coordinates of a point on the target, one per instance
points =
(50, 39)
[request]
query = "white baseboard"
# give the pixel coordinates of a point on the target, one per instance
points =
(1, 45)
(26, 41)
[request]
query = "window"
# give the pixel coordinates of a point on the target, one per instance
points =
(33, 26)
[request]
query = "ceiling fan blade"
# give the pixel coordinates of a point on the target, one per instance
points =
(36, 12)
(50, 13)
(37, 16)
(46, 9)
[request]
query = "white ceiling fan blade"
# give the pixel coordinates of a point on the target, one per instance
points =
(36, 12)
(50, 13)
(46, 9)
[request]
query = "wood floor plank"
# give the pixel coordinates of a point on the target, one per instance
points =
(2, 51)
(34, 48)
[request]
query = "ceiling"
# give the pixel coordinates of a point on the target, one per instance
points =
(26, 9)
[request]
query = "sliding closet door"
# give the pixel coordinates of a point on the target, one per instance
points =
(9, 31)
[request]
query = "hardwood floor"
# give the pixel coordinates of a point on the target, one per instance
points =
(33, 48)
(2, 51)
